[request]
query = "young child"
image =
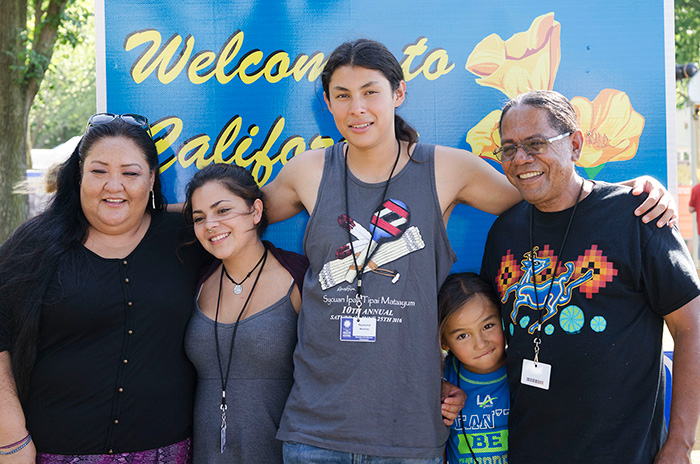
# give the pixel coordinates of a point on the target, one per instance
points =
(472, 333)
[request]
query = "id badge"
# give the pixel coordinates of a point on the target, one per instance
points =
(353, 329)
(536, 374)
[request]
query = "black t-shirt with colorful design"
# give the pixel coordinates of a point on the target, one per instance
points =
(601, 326)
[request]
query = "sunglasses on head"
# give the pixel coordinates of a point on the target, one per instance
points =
(133, 119)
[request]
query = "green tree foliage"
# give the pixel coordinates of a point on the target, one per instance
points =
(687, 16)
(30, 30)
(687, 31)
(66, 98)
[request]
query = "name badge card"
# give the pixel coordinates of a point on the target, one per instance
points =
(353, 329)
(536, 374)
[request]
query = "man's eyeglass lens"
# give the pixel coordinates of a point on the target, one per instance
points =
(532, 147)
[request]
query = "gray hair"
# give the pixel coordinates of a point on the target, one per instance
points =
(562, 115)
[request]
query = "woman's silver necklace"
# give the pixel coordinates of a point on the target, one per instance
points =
(238, 289)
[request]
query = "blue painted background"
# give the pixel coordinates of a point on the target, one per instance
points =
(603, 45)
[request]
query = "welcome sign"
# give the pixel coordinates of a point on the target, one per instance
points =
(237, 82)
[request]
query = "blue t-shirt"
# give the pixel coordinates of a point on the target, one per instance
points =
(485, 415)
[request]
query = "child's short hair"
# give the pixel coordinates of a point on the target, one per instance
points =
(457, 290)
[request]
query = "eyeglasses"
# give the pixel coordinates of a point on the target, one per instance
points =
(532, 147)
(133, 119)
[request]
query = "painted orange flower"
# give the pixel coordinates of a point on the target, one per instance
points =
(484, 137)
(527, 61)
(611, 128)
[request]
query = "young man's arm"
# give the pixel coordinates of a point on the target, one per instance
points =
(452, 400)
(295, 187)
(463, 177)
(658, 205)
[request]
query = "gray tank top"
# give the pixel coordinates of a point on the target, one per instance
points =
(357, 391)
(258, 385)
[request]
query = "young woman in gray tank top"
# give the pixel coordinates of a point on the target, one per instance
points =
(243, 330)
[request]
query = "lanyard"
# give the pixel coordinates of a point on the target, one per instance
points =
(538, 338)
(373, 222)
(224, 379)
(461, 420)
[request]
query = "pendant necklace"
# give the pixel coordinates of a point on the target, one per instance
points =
(237, 289)
(224, 378)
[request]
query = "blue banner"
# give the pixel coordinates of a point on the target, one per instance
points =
(237, 82)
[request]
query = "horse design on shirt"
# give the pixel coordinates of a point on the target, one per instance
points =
(527, 294)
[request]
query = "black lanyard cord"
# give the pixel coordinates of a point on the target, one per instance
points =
(461, 421)
(538, 339)
(224, 379)
(373, 225)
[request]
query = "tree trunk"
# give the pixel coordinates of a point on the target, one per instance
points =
(14, 208)
(20, 79)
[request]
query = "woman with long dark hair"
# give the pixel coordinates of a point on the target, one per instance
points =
(94, 302)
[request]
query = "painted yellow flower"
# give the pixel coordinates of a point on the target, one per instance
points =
(484, 137)
(611, 128)
(527, 61)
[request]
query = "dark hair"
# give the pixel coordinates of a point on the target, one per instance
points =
(29, 258)
(458, 289)
(236, 179)
(562, 115)
(370, 54)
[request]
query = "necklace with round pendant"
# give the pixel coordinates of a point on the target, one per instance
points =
(238, 286)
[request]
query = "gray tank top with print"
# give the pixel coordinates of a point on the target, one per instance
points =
(357, 389)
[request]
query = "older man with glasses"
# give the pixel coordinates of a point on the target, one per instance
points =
(585, 291)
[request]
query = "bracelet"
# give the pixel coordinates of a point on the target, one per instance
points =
(26, 440)
(14, 444)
